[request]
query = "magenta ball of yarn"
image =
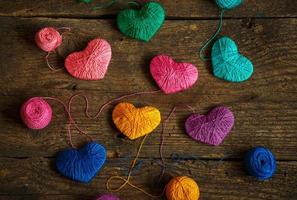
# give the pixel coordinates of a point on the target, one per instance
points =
(48, 39)
(107, 197)
(36, 113)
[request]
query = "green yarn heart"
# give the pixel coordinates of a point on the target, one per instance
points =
(228, 63)
(141, 24)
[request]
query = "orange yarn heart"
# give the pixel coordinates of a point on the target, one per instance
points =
(135, 122)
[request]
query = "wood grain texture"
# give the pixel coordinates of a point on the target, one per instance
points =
(264, 116)
(174, 9)
(265, 107)
(36, 176)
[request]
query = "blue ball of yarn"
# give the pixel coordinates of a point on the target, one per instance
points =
(228, 4)
(260, 163)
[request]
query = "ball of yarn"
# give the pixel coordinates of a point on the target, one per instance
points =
(260, 163)
(48, 39)
(36, 113)
(181, 188)
(228, 4)
(108, 197)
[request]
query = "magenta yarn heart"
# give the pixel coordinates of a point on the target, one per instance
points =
(171, 76)
(91, 63)
(211, 128)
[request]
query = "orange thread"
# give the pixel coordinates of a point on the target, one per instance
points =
(127, 180)
(164, 123)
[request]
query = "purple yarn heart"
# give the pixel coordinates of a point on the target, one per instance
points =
(211, 128)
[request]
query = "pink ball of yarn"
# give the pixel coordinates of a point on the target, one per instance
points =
(107, 197)
(36, 113)
(48, 39)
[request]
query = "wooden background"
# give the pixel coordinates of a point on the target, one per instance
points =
(265, 106)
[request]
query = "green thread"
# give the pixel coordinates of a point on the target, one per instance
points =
(105, 5)
(134, 3)
(206, 44)
(86, 1)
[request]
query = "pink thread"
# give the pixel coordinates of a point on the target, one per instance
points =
(36, 113)
(173, 77)
(103, 106)
(91, 63)
(49, 39)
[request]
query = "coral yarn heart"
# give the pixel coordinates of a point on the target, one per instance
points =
(83, 164)
(171, 76)
(228, 63)
(141, 24)
(212, 128)
(135, 122)
(91, 63)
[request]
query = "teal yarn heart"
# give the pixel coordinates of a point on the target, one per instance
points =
(81, 165)
(228, 4)
(141, 24)
(228, 63)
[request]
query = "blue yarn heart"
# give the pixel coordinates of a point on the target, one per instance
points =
(83, 164)
(228, 63)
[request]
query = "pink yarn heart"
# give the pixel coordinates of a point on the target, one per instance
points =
(171, 76)
(211, 128)
(91, 63)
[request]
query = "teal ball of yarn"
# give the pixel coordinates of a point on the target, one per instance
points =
(260, 163)
(228, 4)
(228, 63)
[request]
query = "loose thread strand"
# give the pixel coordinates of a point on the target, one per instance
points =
(55, 69)
(70, 122)
(127, 180)
(103, 106)
(206, 44)
(163, 138)
(105, 5)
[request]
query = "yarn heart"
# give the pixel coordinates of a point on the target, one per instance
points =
(228, 63)
(83, 164)
(141, 24)
(171, 76)
(212, 128)
(91, 63)
(135, 122)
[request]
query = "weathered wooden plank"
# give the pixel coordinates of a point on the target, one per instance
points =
(272, 50)
(37, 176)
(174, 9)
(259, 122)
(264, 106)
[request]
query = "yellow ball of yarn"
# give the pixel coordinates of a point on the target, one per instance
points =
(182, 188)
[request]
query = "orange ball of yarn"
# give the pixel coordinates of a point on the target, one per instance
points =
(182, 188)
